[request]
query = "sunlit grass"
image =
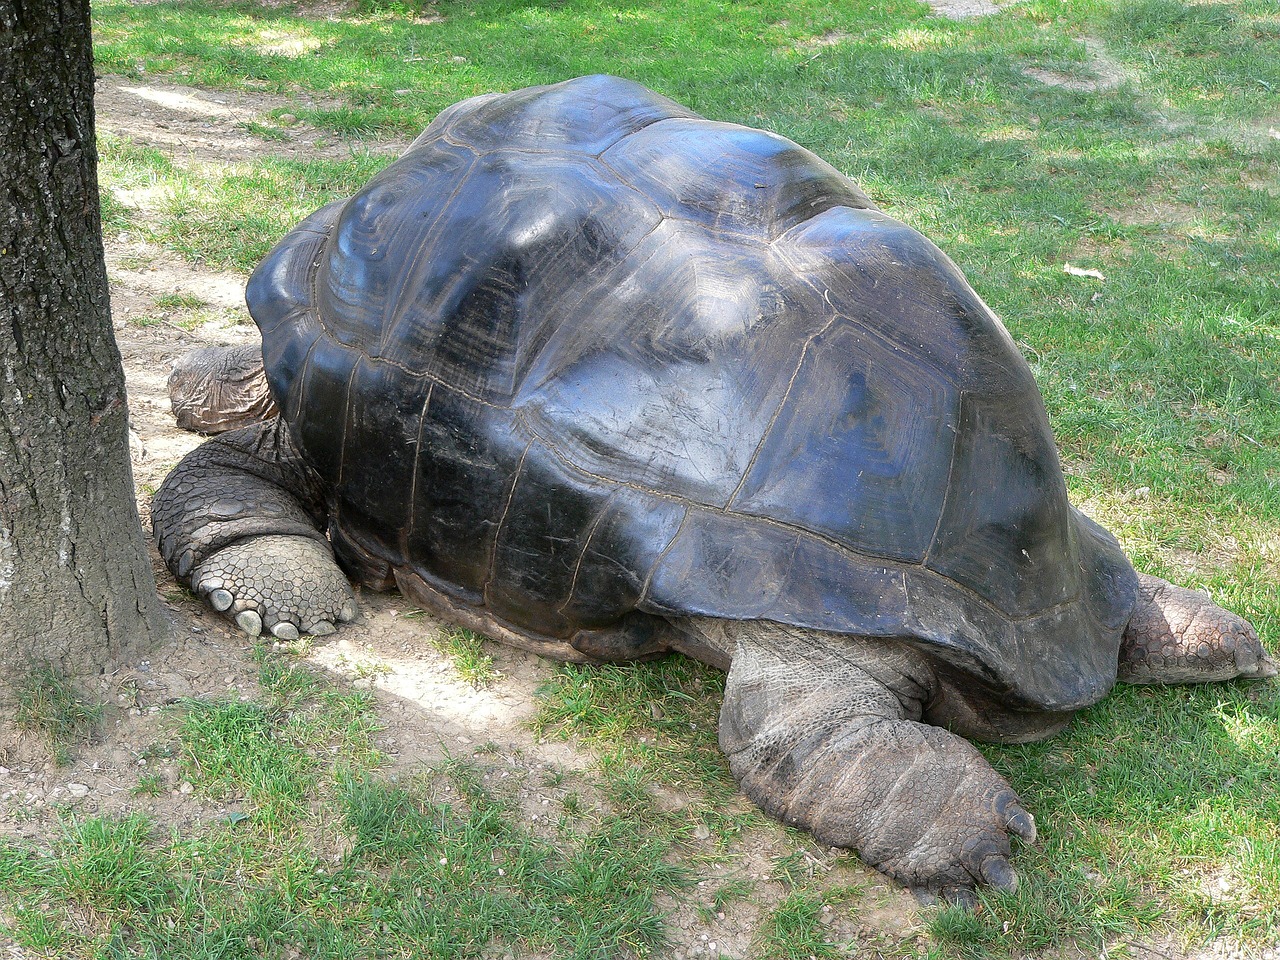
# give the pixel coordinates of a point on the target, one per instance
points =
(316, 853)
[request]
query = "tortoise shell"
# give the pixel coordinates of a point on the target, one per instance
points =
(582, 361)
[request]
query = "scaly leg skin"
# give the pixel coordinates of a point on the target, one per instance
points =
(824, 734)
(1176, 635)
(240, 521)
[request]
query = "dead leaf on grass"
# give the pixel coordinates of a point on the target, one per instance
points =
(1082, 272)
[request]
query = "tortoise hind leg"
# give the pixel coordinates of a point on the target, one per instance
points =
(824, 734)
(240, 521)
(1176, 635)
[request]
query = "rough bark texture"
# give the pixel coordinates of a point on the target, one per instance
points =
(76, 587)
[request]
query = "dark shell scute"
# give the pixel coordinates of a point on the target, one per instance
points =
(323, 391)
(673, 383)
(729, 178)
(622, 546)
(364, 278)
(899, 286)
(491, 267)
(870, 422)
(384, 414)
(538, 547)
(999, 539)
(466, 470)
(772, 571)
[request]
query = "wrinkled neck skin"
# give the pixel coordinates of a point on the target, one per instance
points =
(960, 705)
(923, 688)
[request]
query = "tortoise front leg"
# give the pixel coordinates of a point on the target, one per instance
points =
(823, 733)
(240, 520)
(1176, 635)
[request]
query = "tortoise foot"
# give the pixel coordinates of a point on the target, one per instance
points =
(823, 734)
(1176, 635)
(282, 585)
(916, 802)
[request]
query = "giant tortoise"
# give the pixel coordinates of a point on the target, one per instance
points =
(590, 374)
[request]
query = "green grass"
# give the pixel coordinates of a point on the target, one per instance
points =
(466, 651)
(1158, 808)
(180, 301)
(1177, 788)
(794, 929)
(49, 704)
(316, 853)
(652, 722)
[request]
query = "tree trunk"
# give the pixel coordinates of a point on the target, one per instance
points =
(77, 591)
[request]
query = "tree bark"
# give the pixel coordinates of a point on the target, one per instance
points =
(77, 590)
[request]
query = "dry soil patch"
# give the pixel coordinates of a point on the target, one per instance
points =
(963, 9)
(199, 125)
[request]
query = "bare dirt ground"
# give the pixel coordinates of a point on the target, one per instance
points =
(962, 9)
(428, 711)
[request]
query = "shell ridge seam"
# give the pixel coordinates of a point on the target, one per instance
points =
(951, 467)
(417, 469)
(648, 580)
(346, 420)
(295, 398)
(755, 455)
(582, 554)
(497, 531)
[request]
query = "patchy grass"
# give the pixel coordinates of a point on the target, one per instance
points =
(225, 216)
(315, 852)
(794, 930)
(231, 217)
(180, 301)
(49, 704)
(658, 719)
(466, 651)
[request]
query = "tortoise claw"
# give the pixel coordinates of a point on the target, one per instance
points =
(1017, 821)
(284, 630)
(249, 622)
(1023, 825)
(997, 872)
(221, 600)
